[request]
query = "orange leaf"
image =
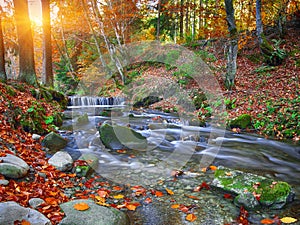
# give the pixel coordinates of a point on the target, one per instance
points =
(25, 222)
(148, 200)
(213, 168)
(267, 221)
(130, 207)
(175, 206)
(117, 188)
(170, 192)
(192, 197)
(103, 194)
(159, 194)
(191, 217)
(81, 206)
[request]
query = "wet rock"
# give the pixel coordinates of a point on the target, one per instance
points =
(13, 167)
(120, 137)
(83, 119)
(61, 160)
(96, 214)
(4, 182)
(36, 137)
(90, 164)
(35, 202)
(247, 200)
(54, 142)
(268, 192)
(11, 211)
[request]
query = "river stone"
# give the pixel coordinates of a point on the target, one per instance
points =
(120, 137)
(11, 211)
(269, 193)
(95, 215)
(61, 160)
(35, 202)
(92, 165)
(243, 121)
(247, 200)
(54, 142)
(13, 167)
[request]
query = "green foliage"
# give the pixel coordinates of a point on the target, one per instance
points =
(206, 56)
(280, 118)
(64, 81)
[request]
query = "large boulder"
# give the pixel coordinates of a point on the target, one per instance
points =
(267, 192)
(13, 167)
(11, 212)
(54, 142)
(95, 215)
(243, 121)
(61, 160)
(120, 137)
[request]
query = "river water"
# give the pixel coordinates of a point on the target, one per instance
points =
(174, 145)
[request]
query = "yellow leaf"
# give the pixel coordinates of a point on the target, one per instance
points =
(81, 206)
(288, 220)
(130, 207)
(119, 196)
(191, 217)
(170, 192)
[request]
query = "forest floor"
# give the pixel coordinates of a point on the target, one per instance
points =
(270, 94)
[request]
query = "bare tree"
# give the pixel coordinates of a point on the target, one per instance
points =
(3, 76)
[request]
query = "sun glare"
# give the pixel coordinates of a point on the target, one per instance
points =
(36, 21)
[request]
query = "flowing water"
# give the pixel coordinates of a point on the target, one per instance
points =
(168, 138)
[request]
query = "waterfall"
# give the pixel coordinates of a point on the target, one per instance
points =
(95, 101)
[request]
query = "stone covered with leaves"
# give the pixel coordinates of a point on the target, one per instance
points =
(265, 192)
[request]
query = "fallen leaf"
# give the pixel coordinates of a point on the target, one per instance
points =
(159, 194)
(288, 220)
(267, 221)
(81, 206)
(25, 222)
(118, 196)
(131, 207)
(191, 217)
(227, 196)
(148, 200)
(192, 197)
(213, 168)
(170, 192)
(175, 206)
(117, 188)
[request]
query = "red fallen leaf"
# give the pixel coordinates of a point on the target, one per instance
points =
(227, 196)
(159, 194)
(184, 208)
(117, 188)
(267, 221)
(200, 187)
(148, 200)
(102, 193)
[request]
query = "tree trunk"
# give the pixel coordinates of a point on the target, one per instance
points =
(158, 20)
(259, 25)
(26, 52)
(233, 46)
(181, 19)
(47, 75)
(3, 76)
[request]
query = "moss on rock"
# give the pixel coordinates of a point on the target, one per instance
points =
(243, 121)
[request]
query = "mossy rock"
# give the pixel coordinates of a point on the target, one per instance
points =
(120, 137)
(83, 119)
(269, 193)
(242, 121)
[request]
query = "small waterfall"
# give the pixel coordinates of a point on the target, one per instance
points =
(95, 101)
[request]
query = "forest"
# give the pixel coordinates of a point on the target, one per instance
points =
(231, 66)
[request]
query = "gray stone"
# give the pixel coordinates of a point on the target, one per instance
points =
(271, 193)
(120, 137)
(247, 200)
(36, 137)
(13, 167)
(54, 142)
(95, 215)
(4, 182)
(92, 163)
(61, 160)
(11, 211)
(35, 202)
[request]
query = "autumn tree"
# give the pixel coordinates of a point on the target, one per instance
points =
(2, 52)
(233, 45)
(47, 75)
(26, 52)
